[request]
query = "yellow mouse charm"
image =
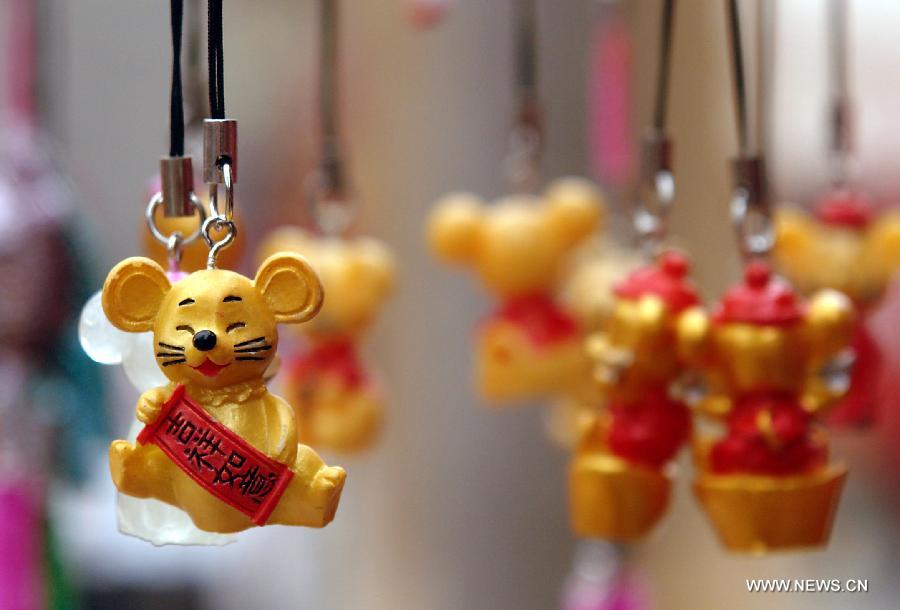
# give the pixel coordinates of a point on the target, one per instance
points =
(217, 444)
(530, 346)
(846, 246)
(767, 484)
(337, 397)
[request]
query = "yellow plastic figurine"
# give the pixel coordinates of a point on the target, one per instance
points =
(618, 489)
(845, 246)
(768, 484)
(530, 347)
(338, 399)
(216, 443)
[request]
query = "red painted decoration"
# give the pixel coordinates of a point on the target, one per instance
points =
(768, 434)
(539, 317)
(666, 280)
(332, 357)
(650, 431)
(844, 208)
(217, 459)
(760, 299)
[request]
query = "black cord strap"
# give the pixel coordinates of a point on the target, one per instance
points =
(176, 101)
(216, 61)
(662, 75)
(738, 74)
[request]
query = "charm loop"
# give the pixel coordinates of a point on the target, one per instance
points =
(332, 209)
(750, 211)
(174, 249)
(228, 179)
(155, 202)
(656, 191)
(217, 223)
(523, 159)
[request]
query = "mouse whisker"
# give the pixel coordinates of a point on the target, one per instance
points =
(170, 346)
(250, 350)
(178, 361)
(250, 341)
(249, 358)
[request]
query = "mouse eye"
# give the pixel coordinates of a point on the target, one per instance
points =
(235, 326)
(185, 327)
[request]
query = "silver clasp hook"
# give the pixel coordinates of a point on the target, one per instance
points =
(751, 213)
(656, 191)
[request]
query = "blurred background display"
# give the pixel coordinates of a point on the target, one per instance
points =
(452, 502)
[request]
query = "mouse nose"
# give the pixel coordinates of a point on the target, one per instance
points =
(205, 340)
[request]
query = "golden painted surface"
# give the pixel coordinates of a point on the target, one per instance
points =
(242, 314)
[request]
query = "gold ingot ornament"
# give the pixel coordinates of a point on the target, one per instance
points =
(217, 444)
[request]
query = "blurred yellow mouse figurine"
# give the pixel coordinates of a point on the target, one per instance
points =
(847, 246)
(339, 401)
(530, 347)
(216, 443)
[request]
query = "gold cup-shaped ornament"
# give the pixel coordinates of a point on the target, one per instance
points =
(758, 514)
(614, 499)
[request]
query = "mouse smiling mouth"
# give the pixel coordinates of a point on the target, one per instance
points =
(209, 368)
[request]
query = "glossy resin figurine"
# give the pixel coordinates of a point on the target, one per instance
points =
(768, 484)
(215, 443)
(846, 246)
(530, 346)
(337, 396)
(617, 485)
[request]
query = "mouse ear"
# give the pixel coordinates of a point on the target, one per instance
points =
(133, 293)
(290, 286)
(454, 227)
(575, 207)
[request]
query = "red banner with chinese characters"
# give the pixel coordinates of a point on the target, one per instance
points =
(220, 461)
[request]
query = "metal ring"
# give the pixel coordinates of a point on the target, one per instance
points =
(175, 248)
(217, 223)
(228, 179)
(522, 164)
(753, 241)
(162, 238)
(332, 210)
(654, 202)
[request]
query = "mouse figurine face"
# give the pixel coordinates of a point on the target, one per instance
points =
(215, 335)
(337, 396)
(617, 487)
(768, 483)
(530, 346)
(844, 245)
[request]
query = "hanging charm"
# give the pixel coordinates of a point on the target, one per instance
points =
(620, 475)
(519, 246)
(337, 394)
(844, 244)
(338, 397)
(215, 443)
(530, 346)
(618, 486)
(773, 362)
(768, 484)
